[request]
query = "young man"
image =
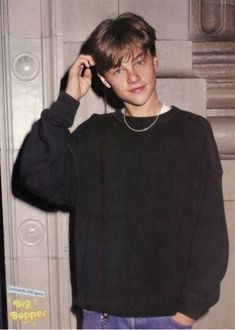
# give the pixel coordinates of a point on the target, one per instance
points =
(144, 184)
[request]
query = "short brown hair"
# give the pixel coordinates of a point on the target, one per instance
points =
(115, 39)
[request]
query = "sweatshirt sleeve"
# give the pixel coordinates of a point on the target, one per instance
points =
(46, 165)
(209, 251)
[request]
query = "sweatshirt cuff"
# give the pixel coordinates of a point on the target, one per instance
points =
(63, 111)
(193, 307)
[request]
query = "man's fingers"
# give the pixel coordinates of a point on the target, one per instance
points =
(80, 75)
(89, 58)
(85, 60)
(87, 73)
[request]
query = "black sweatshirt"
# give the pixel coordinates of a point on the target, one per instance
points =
(150, 234)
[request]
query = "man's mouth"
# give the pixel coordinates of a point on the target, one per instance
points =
(137, 90)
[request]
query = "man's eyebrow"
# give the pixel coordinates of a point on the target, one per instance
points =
(139, 55)
(114, 67)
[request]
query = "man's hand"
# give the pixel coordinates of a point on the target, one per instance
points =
(182, 319)
(78, 84)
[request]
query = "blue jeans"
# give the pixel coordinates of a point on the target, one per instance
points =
(95, 320)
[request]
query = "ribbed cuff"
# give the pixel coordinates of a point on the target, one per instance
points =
(63, 111)
(194, 307)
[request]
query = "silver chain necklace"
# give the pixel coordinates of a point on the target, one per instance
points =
(142, 129)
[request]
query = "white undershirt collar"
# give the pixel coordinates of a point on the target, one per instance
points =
(164, 109)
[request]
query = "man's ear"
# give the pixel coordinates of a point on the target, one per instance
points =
(155, 61)
(104, 81)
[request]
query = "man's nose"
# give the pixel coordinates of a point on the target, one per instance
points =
(132, 76)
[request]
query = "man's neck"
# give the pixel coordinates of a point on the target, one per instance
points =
(143, 111)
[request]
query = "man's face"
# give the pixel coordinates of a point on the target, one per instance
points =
(134, 81)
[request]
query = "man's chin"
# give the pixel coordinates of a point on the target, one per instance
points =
(135, 103)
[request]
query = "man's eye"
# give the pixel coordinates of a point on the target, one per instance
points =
(118, 71)
(140, 62)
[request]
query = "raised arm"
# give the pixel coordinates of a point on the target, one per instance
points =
(47, 166)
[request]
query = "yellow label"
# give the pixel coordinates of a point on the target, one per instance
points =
(24, 310)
